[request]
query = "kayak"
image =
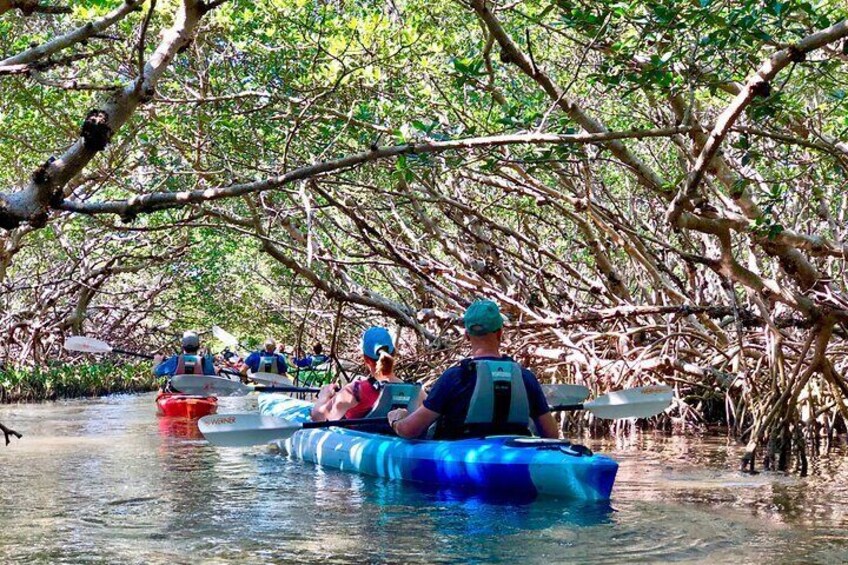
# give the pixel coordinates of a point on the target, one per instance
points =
(514, 465)
(185, 405)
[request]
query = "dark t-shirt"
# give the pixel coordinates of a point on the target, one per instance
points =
(451, 397)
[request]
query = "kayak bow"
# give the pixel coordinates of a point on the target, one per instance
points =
(174, 405)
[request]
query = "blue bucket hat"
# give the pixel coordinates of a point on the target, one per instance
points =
(374, 339)
(482, 317)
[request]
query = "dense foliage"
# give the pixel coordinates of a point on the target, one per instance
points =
(654, 190)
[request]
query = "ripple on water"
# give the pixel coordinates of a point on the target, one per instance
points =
(106, 481)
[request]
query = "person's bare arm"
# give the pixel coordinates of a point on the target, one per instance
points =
(547, 426)
(412, 425)
(332, 405)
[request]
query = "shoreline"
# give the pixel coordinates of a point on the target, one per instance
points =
(67, 381)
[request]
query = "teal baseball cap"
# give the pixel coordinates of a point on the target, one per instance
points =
(482, 317)
(374, 339)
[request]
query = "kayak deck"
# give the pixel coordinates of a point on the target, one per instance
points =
(507, 464)
(175, 405)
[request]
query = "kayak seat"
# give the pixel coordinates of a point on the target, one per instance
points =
(396, 395)
(499, 402)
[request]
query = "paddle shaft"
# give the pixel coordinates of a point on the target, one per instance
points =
(566, 407)
(344, 423)
(366, 421)
(132, 353)
(285, 389)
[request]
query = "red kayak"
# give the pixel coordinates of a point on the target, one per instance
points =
(190, 406)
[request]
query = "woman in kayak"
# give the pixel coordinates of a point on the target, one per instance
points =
(356, 399)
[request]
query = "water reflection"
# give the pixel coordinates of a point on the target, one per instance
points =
(179, 428)
(107, 481)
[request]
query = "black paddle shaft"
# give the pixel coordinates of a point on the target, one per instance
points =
(132, 353)
(345, 423)
(566, 407)
(367, 421)
(286, 389)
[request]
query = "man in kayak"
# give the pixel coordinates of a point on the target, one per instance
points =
(356, 399)
(267, 360)
(312, 361)
(189, 362)
(503, 402)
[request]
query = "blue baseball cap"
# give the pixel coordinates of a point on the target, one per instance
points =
(482, 317)
(374, 339)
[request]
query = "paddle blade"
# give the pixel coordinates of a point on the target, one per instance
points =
(224, 337)
(87, 345)
(243, 430)
(565, 394)
(271, 379)
(641, 402)
(208, 385)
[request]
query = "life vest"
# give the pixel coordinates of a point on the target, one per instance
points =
(315, 360)
(268, 364)
(189, 365)
(396, 395)
(366, 391)
(499, 404)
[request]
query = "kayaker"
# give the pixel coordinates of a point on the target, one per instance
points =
(267, 360)
(500, 409)
(357, 398)
(312, 361)
(189, 362)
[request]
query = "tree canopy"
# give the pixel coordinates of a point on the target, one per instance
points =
(652, 189)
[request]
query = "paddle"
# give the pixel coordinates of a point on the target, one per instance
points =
(226, 337)
(565, 394)
(229, 371)
(272, 379)
(91, 345)
(219, 386)
(242, 430)
(640, 402)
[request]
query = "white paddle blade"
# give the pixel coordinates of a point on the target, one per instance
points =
(271, 379)
(208, 385)
(243, 430)
(87, 345)
(224, 337)
(565, 394)
(641, 402)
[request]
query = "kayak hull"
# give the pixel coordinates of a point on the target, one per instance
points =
(506, 465)
(188, 406)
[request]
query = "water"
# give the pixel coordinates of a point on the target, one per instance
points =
(105, 481)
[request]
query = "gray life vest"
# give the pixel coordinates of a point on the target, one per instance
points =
(268, 364)
(499, 403)
(396, 395)
(189, 365)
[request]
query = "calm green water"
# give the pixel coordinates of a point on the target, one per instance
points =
(105, 480)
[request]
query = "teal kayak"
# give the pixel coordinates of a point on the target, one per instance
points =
(515, 465)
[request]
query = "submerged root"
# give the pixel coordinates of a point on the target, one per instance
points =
(9, 432)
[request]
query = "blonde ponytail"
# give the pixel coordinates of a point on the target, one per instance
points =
(385, 364)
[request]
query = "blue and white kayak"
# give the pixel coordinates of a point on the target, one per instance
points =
(520, 466)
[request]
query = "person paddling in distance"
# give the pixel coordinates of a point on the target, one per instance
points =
(188, 362)
(267, 360)
(485, 394)
(311, 361)
(356, 399)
